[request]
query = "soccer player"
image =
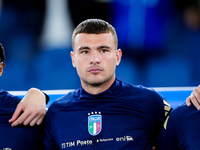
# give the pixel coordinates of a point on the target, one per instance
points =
(29, 111)
(181, 130)
(105, 113)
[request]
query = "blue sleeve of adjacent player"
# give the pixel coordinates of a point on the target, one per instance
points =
(189, 137)
(181, 130)
(168, 139)
(20, 137)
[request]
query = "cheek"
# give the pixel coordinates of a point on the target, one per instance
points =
(80, 65)
(76, 61)
(79, 62)
(111, 65)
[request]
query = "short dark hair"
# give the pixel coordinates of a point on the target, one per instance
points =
(2, 55)
(94, 26)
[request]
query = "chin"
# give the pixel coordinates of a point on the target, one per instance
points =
(94, 82)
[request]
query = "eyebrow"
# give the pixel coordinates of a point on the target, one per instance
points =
(104, 46)
(99, 47)
(83, 47)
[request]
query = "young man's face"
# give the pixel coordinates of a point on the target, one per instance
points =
(95, 58)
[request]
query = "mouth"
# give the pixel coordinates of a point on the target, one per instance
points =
(95, 70)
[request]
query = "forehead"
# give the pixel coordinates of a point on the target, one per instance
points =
(84, 39)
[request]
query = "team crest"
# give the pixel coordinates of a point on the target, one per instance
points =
(94, 123)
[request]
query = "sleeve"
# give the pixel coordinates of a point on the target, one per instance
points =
(49, 141)
(8, 103)
(158, 110)
(168, 139)
(189, 136)
(23, 137)
(181, 130)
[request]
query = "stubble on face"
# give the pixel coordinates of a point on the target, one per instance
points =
(96, 80)
(99, 74)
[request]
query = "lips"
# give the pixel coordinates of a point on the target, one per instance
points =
(95, 70)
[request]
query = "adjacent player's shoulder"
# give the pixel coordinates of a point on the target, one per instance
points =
(5, 95)
(8, 99)
(183, 113)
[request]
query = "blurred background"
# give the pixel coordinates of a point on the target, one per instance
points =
(160, 41)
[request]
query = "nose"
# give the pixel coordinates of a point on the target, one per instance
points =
(95, 58)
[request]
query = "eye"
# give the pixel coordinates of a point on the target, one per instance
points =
(104, 51)
(84, 52)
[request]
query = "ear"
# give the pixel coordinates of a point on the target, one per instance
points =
(1, 68)
(119, 56)
(72, 57)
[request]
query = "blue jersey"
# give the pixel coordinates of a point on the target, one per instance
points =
(122, 117)
(182, 130)
(20, 137)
